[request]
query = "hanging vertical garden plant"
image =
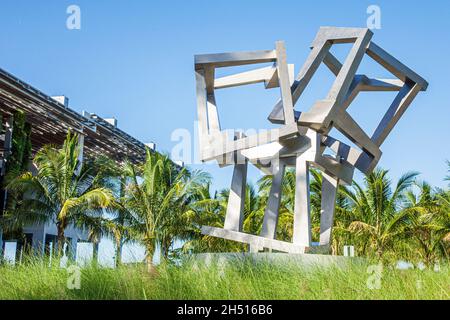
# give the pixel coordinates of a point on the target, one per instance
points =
(20, 155)
(17, 162)
(19, 158)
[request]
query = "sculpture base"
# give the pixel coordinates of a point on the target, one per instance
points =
(258, 243)
(298, 260)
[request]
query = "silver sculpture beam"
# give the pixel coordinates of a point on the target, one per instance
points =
(302, 138)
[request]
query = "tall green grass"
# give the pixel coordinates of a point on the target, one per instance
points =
(238, 280)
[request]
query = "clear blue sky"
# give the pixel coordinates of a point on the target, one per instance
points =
(134, 60)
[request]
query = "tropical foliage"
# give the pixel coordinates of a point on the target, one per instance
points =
(155, 205)
(381, 220)
(159, 204)
(63, 191)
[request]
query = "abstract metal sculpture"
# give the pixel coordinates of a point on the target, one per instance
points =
(303, 137)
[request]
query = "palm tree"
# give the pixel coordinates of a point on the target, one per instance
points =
(443, 220)
(116, 224)
(63, 192)
(158, 196)
(118, 230)
(428, 223)
(253, 210)
(377, 210)
(208, 210)
(175, 223)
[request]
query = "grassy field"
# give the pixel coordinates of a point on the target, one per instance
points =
(244, 280)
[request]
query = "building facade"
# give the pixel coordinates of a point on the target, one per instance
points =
(48, 120)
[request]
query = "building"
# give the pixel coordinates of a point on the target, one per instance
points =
(49, 119)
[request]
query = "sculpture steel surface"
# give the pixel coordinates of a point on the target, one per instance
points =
(302, 138)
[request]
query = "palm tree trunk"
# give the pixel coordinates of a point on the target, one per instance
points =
(334, 248)
(429, 256)
(379, 251)
(149, 263)
(118, 257)
(95, 252)
(150, 249)
(61, 238)
(165, 249)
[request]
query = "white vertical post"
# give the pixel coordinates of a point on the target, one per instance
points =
(50, 250)
(10, 252)
(349, 251)
(302, 221)
(235, 209)
(271, 213)
(85, 253)
(328, 203)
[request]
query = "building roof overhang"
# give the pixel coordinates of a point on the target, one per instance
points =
(51, 120)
